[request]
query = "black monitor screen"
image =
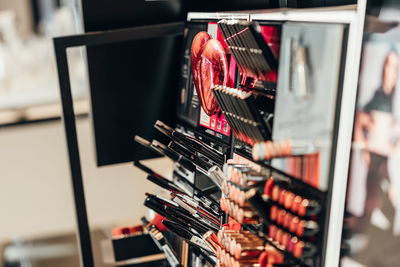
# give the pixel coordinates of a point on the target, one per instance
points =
(132, 84)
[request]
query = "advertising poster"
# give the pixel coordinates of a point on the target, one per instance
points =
(372, 216)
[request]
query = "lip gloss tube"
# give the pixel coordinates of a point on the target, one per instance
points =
(269, 184)
(285, 148)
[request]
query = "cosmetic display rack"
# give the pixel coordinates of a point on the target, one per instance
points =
(260, 143)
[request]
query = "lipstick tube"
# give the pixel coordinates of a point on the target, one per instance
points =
(296, 204)
(273, 181)
(302, 228)
(309, 208)
(302, 249)
(307, 228)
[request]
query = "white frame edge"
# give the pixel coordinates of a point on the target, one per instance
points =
(345, 133)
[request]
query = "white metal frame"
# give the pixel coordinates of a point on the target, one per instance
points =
(218, 15)
(354, 16)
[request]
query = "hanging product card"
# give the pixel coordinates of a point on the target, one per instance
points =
(216, 124)
(308, 82)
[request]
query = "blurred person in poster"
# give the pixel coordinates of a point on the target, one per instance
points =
(377, 130)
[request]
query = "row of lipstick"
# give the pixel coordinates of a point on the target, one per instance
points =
(299, 159)
(284, 148)
(243, 248)
(249, 214)
(287, 241)
(238, 179)
(243, 175)
(275, 190)
(290, 243)
(305, 168)
(241, 113)
(244, 215)
(295, 225)
(289, 217)
(242, 211)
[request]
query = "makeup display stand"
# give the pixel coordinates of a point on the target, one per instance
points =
(331, 194)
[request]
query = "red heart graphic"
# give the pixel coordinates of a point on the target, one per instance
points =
(213, 71)
(198, 42)
(209, 68)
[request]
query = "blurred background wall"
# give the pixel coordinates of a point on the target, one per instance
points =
(24, 14)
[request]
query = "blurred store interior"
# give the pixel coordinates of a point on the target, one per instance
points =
(38, 223)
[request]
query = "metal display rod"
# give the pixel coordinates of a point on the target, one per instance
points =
(92, 39)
